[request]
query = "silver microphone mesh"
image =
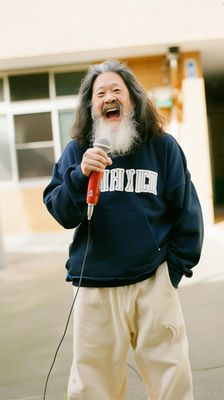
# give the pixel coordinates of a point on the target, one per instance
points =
(103, 143)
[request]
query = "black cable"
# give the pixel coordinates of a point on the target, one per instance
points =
(70, 312)
(69, 317)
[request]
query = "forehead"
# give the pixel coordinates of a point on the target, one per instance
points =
(108, 79)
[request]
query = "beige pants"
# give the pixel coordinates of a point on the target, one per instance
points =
(146, 315)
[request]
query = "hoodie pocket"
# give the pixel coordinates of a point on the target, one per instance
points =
(124, 236)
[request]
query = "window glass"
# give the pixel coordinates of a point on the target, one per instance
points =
(35, 162)
(33, 127)
(1, 90)
(29, 87)
(66, 119)
(68, 83)
(5, 157)
(35, 155)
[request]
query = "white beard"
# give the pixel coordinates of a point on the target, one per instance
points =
(122, 136)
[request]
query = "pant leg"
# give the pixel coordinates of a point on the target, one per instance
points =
(161, 345)
(100, 345)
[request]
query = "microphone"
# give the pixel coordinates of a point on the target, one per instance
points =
(93, 190)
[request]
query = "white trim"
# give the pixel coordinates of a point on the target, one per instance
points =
(3, 108)
(25, 183)
(210, 47)
(6, 90)
(80, 59)
(68, 67)
(35, 145)
(52, 90)
(12, 141)
(30, 107)
(56, 134)
(39, 106)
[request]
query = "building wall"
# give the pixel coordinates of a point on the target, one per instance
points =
(22, 210)
(195, 142)
(76, 31)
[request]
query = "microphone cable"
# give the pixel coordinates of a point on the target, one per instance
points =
(70, 312)
(69, 317)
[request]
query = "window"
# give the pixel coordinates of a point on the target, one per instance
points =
(35, 162)
(68, 83)
(29, 87)
(1, 90)
(33, 127)
(66, 119)
(35, 121)
(5, 157)
(34, 144)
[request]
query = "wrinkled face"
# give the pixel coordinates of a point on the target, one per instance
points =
(110, 98)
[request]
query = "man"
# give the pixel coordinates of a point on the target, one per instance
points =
(146, 233)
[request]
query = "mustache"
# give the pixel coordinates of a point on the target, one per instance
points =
(114, 106)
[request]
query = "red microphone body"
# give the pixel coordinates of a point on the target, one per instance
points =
(93, 190)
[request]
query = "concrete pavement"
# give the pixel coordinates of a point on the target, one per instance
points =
(35, 301)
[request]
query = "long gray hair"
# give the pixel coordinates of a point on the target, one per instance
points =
(148, 122)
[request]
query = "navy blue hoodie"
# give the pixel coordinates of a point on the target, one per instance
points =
(148, 212)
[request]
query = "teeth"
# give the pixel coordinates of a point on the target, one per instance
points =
(112, 109)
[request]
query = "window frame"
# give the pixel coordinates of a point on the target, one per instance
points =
(3, 91)
(54, 104)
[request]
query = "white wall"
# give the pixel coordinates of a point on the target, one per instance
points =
(195, 142)
(31, 28)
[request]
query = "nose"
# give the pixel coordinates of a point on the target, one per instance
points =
(109, 98)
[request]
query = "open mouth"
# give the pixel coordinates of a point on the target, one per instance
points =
(112, 110)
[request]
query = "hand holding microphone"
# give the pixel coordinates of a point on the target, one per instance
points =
(94, 162)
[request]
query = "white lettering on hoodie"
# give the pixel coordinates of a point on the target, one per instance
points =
(129, 180)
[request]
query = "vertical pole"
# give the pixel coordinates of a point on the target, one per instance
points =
(2, 250)
(173, 56)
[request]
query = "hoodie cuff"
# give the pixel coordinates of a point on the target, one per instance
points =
(175, 276)
(78, 179)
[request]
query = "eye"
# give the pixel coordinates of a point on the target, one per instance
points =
(117, 90)
(100, 94)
